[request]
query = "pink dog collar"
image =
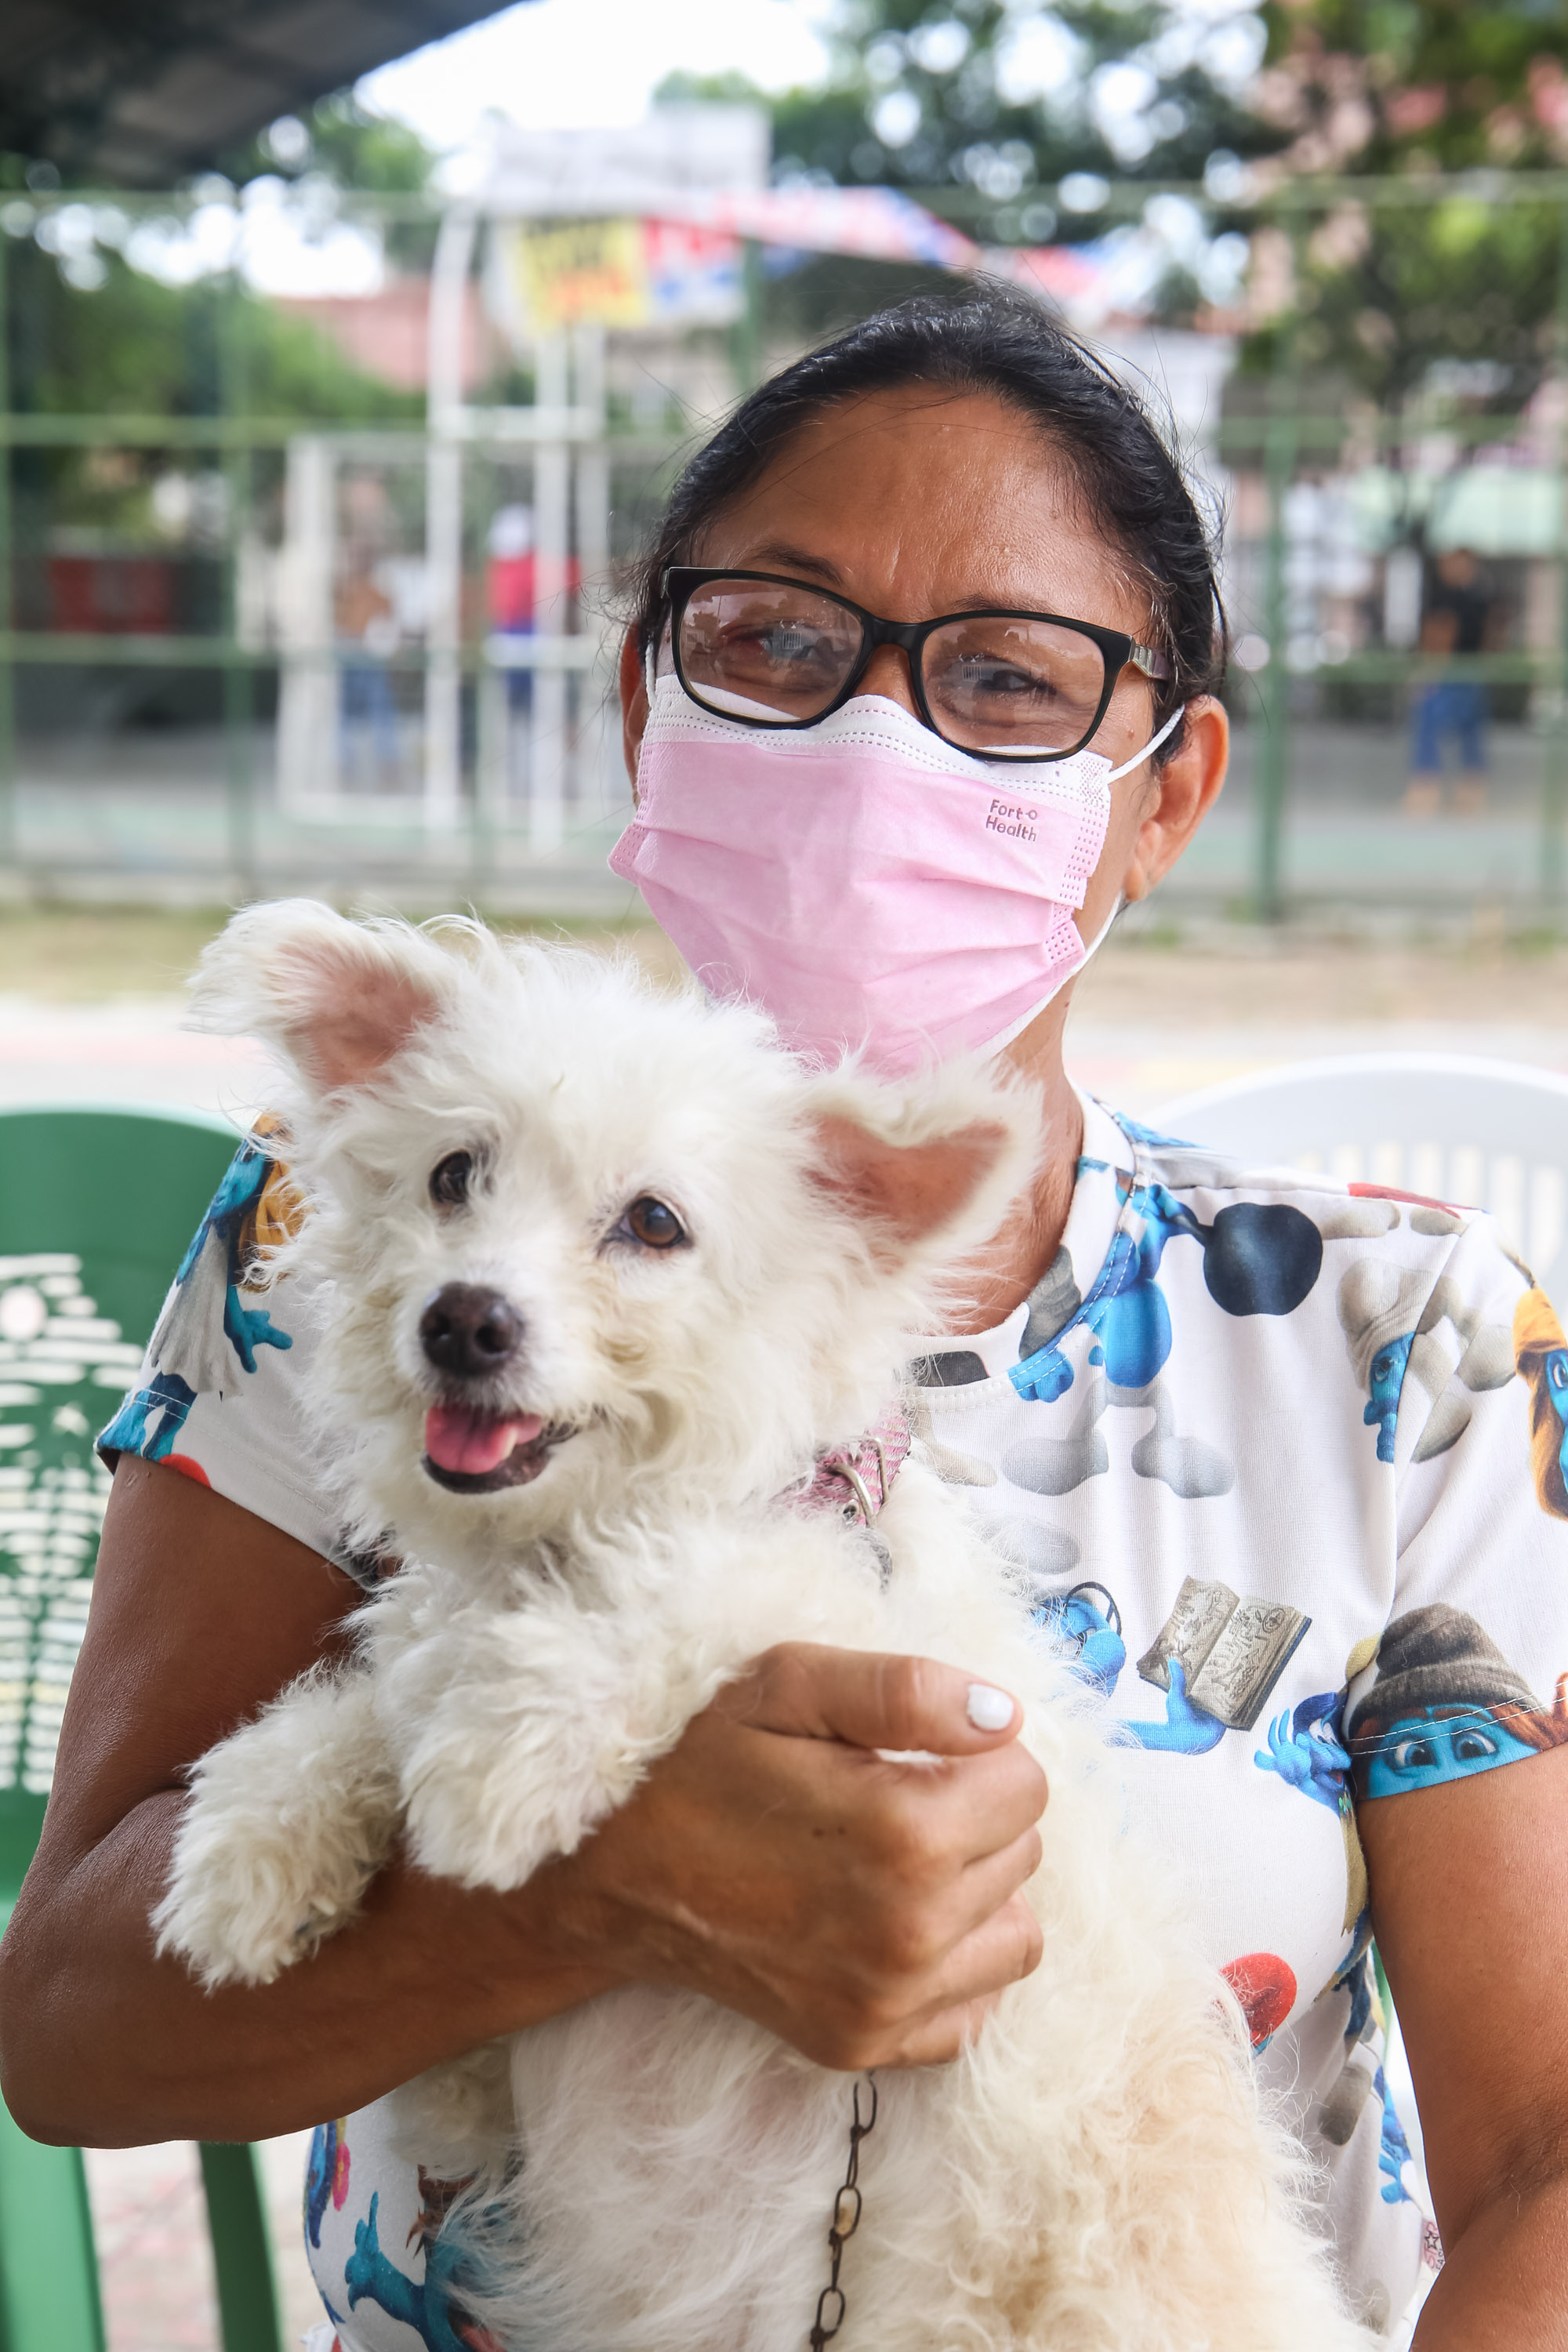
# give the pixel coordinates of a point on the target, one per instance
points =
(868, 1470)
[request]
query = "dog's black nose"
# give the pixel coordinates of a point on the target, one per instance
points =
(467, 1331)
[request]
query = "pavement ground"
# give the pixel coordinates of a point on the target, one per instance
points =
(92, 1006)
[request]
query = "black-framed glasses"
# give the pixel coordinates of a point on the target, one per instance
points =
(1001, 684)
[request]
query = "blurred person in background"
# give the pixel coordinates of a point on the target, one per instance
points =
(510, 587)
(921, 684)
(1457, 620)
(365, 626)
(515, 589)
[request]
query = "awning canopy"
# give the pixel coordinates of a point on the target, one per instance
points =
(138, 93)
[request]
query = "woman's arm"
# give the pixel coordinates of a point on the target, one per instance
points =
(1469, 1888)
(864, 1910)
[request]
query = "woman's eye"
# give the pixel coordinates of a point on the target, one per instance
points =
(1004, 683)
(649, 1221)
(450, 1179)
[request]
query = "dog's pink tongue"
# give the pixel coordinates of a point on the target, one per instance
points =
(457, 1438)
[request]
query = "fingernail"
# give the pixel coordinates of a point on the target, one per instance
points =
(989, 1709)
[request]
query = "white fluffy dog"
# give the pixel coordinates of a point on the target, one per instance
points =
(608, 1275)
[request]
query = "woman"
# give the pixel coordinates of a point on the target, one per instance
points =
(1165, 1399)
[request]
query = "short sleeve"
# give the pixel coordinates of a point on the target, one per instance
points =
(1471, 1670)
(218, 1396)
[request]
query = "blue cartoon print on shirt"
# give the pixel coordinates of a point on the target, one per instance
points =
(1260, 1257)
(1385, 1381)
(151, 1418)
(326, 2175)
(427, 2306)
(1391, 1317)
(1541, 1358)
(1079, 1622)
(229, 1223)
(208, 1328)
(1362, 2075)
(1446, 1705)
(1425, 1749)
(1394, 2151)
(1305, 1749)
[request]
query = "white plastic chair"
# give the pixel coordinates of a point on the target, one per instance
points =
(1477, 1134)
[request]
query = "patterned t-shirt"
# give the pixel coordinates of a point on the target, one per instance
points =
(1283, 1460)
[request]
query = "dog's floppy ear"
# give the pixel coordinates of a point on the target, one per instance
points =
(935, 1162)
(337, 997)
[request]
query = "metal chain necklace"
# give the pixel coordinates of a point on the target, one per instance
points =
(830, 2304)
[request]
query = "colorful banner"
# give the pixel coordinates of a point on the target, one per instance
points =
(618, 273)
(880, 224)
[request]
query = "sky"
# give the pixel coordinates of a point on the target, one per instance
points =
(568, 64)
(548, 64)
(563, 64)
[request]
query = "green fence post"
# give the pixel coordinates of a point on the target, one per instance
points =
(238, 697)
(249, 2317)
(746, 337)
(1273, 768)
(49, 2271)
(48, 2263)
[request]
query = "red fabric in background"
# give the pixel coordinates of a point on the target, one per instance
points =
(130, 596)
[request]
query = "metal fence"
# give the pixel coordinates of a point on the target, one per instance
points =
(307, 683)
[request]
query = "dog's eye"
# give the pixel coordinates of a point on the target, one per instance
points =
(649, 1221)
(450, 1179)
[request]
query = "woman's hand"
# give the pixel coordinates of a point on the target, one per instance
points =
(866, 1910)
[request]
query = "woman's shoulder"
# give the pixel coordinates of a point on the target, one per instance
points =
(1270, 1236)
(220, 1394)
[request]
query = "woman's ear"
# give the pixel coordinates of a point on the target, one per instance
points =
(1181, 793)
(634, 705)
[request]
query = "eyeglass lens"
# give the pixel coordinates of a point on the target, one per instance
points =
(759, 649)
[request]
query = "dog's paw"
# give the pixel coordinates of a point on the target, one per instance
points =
(247, 1896)
(450, 1835)
(223, 1936)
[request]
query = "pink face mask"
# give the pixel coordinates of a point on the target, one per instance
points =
(868, 886)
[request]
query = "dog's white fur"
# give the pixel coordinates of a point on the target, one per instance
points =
(1093, 2175)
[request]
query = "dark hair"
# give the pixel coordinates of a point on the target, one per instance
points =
(996, 341)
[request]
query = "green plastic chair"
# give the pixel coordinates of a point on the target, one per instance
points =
(96, 1208)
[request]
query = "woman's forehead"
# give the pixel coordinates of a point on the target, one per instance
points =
(918, 501)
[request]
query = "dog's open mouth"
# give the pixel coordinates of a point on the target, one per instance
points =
(475, 1453)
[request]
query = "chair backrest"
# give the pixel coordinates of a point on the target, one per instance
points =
(96, 1209)
(1477, 1134)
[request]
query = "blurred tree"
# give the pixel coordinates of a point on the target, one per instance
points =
(1415, 85)
(338, 147)
(341, 140)
(131, 343)
(1008, 99)
(127, 343)
(1457, 296)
